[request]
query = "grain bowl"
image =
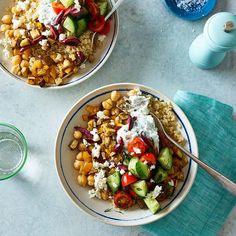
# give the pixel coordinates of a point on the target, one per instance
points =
(84, 173)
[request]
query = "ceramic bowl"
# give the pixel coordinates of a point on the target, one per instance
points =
(101, 55)
(102, 210)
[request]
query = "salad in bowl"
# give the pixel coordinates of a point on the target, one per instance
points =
(48, 41)
(112, 161)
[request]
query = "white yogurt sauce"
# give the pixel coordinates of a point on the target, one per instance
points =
(46, 13)
(144, 122)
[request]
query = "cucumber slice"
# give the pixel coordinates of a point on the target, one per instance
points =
(142, 170)
(132, 165)
(127, 159)
(140, 188)
(103, 7)
(152, 204)
(160, 175)
(69, 24)
(165, 158)
(81, 26)
(67, 3)
(113, 181)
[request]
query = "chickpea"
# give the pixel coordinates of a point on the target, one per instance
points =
(16, 60)
(15, 69)
(82, 147)
(90, 180)
(77, 134)
(6, 19)
(106, 112)
(76, 164)
(115, 96)
(104, 195)
(9, 33)
(82, 180)
(24, 71)
(24, 63)
(107, 104)
(5, 27)
(115, 111)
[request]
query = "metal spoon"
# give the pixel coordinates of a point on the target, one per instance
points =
(225, 182)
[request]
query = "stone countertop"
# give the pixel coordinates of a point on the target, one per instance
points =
(152, 49)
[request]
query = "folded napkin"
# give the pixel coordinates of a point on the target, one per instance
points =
(207, 205)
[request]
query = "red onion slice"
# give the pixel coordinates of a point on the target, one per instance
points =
(59, 18)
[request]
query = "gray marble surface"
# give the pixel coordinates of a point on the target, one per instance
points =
(152, 49)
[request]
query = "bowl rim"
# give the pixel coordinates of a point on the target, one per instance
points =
(191, 180)
(87, 75)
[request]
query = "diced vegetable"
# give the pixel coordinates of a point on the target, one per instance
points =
(113, 181)
(57, 7)
(69, 24)
(128, 179)
(152, 204)
(142, 170)
(149, 158)
(123, 200)
(127, 159)
(140, 188)
(103, 7)
(136, 147)
(81, 26)
(96, 24)
(165, 158)
(132, 165)
(160, 175)
(67, 3)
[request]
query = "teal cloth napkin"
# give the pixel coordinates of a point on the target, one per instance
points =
(207, 205)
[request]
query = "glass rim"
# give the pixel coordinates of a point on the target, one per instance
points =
(25, 146)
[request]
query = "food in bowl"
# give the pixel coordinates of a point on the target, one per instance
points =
(120, 155)
(47, 41)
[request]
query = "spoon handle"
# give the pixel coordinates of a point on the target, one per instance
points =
(114, 8)
(225, 182)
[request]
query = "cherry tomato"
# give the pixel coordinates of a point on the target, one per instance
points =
(123, 200)
(93, 9)
(106, 28)
(128, 179)
(97, 24)
(137, 147)
(132, 193)
(149, 158)
(57, 7)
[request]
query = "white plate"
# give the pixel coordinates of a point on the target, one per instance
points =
(64, 158)
(101, 55)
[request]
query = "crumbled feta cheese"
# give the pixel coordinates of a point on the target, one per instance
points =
(17, 23)
(114, 185)
(77, 5)
(22, 32)
(122, 171)
(152, 167)
(97, 165)
(100, 115)
(46, 15)
(62, 37)
(43, 42)
(136, 150)
(152, 181)
(82, 66)
(112, 164)
(96, 137)
(171, 183)
(112, 122)
(156, 192)
(47, 33)
(96, 150)
(100, 183)
(23, 5)
(145, 162)
(85, 142)
(101, 37)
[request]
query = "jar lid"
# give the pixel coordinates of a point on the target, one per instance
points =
(221, 30)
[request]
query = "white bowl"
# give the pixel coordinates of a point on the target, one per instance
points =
(101, 55)
(64, 158)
